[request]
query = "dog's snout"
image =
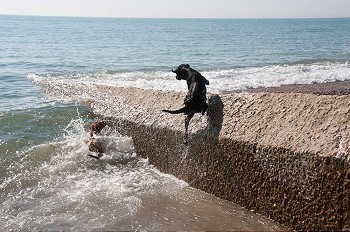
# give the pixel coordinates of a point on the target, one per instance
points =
(173, 70)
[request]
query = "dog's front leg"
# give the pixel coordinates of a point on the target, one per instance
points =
(187, 122)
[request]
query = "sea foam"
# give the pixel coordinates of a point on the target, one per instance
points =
(57, 186)
(220, 80)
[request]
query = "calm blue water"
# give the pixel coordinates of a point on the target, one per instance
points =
(46, 180)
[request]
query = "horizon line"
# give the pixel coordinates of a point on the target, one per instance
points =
(134, 17)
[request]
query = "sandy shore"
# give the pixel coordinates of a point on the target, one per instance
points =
(331, 88)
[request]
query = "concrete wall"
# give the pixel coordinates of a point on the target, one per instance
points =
(285, 156)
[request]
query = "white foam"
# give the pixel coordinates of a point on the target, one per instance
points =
(269, 76)
(220, 80)
(56, 185)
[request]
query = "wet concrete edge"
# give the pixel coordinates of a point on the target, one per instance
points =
(300, 190)
(346, 202)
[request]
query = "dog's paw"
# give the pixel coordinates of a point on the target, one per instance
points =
(204, 109)
(185, 142)
(93, 156)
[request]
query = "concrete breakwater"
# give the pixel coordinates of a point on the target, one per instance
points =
(283, 155)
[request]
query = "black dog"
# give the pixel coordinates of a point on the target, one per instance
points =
(196, 99)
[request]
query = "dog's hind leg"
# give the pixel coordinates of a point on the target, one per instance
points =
(187, 122)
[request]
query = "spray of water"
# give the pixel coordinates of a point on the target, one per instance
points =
(57, 186)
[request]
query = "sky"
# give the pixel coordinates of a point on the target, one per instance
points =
(180, 8)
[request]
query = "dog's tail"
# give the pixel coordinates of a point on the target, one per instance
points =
(179, 111)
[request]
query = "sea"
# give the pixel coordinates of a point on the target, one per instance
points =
(47, 181)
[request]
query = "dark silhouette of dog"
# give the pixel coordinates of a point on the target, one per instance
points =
(95, 144)
(196, 99)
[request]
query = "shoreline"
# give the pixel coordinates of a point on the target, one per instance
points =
(328, 88)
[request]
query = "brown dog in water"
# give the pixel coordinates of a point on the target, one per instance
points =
(96, 127)
(95, 144)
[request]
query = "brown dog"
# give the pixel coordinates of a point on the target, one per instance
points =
(95, 144)
(96, 127)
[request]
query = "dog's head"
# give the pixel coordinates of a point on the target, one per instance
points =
(182, 71)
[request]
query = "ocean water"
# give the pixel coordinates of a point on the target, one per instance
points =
(47, 182)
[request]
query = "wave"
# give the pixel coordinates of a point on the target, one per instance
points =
(278, 75)
(220, 80)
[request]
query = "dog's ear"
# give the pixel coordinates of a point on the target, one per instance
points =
(206, 82)
(180, 67)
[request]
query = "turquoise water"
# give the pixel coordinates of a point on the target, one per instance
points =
(43, 139)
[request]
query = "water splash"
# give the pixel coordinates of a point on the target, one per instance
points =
(57, 186)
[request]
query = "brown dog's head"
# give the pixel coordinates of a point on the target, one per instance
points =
(96, 127)
(182, 71)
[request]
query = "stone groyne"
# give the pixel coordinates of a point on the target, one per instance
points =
(283, 155)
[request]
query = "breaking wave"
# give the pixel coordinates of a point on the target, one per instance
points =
(220, 80)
